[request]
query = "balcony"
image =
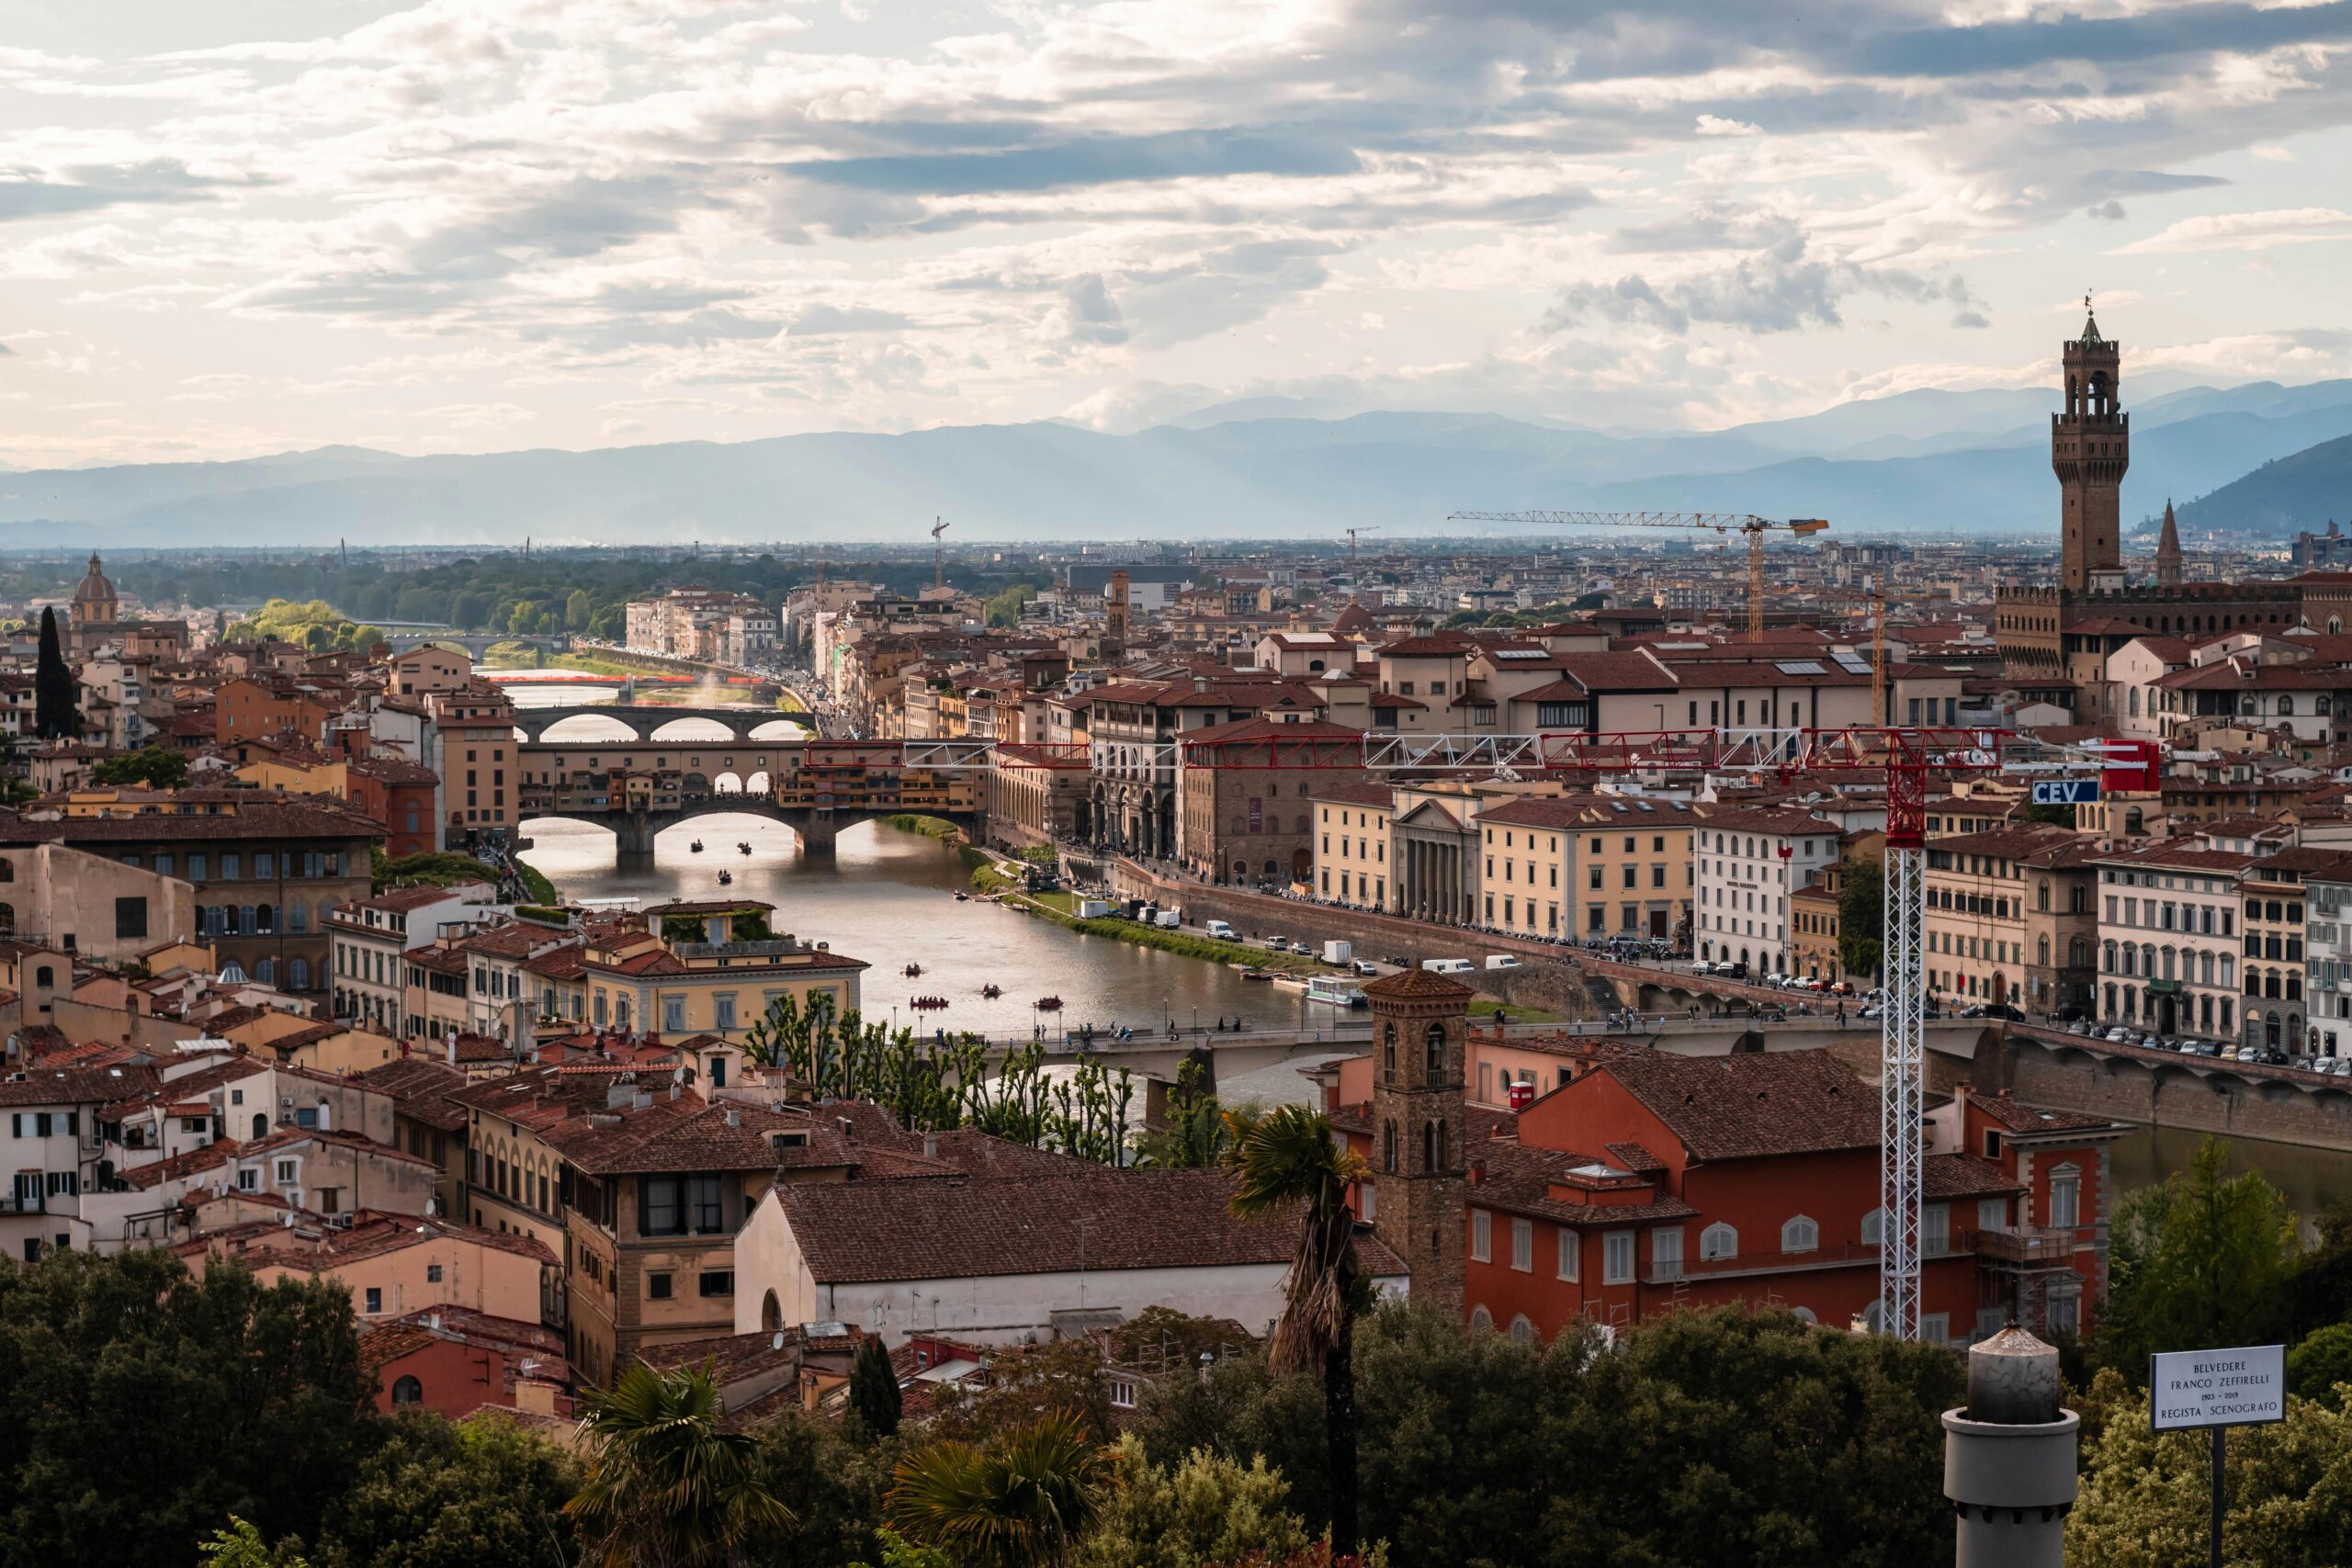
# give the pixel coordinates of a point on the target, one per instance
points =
(2031, 1247)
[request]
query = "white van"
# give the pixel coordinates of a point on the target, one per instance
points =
(1168, 919)
(1449, 966)
(1503, 961)
(1217, 928)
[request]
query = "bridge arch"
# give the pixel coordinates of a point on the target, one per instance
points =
(586, 727)
(778, 729)
(694, 727)
(726, 783)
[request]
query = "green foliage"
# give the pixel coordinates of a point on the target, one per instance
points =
(2319, 1362)
(433, 868)
(1861, 917)
(1192, 1131)
(666, 1484)
(1208, 1509)
(2062, 815)
(535, 884)
(2206, 1258)
(316, 625)
(2147, 1498)
(1004, 609)
(158, 767)
(898, 1552)
(929, 827)
(438, 1494)
(140, 1406)
(2323, 1287)
(1024, 1499)
(874, 1388)
(1702, 1438)
(57, 714)
(1022, 1385)
(832, 1479)
(241, 1546)
(935, 1084)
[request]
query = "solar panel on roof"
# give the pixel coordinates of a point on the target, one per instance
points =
(1800, 667)
(1852, 663)
(1522, 653)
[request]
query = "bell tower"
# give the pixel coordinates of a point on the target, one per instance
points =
(1420, 1042)
(2090, 446)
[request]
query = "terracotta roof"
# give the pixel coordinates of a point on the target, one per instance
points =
(1751, 1106)
(1964, 1176)
(77, 1086)
(982, 1228)
(258, 1242)
(419, 1088)
(2026, 1120)
(1417, 984)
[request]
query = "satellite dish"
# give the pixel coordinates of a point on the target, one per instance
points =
(776, 1343)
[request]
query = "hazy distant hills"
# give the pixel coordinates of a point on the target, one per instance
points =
(2300, 491)
(1925, 462)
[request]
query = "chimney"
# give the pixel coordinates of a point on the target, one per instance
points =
(734, 1117)
(617, 1095)
(452, 1047)
(2009, 1455)
(849, 1128)
(640, 1099)
(930, 1146)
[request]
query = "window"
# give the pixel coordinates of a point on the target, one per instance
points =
(717, 1282)
(1617, 1259)
(248, 1179)
(131, 918)
(1571, 1249)
(1123, 1394)
(657, 1287)
(2066, 1197)
(1800, 1235)
(285, 1171)
(673, 1015)
(1666, 1252)
(1718, 1240)
(1523, 1244)
(1481, 1239)
(375, 1299)
(433, 1273)
(407, 1391)
(1992, 1214)
(1935, 1230)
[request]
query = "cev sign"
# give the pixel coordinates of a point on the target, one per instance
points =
(2065, 792)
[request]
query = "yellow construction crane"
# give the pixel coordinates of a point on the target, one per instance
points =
(1721, 522)
(1875, 597)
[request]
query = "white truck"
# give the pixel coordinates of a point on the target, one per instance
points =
(1093, 908)
(1217, 928)
(1338, 952)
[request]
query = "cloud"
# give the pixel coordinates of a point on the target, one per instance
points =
(1784, 287)
(2107, 211)
(23, 194)
(1090, 161)
(2245, 232)
(824, 321)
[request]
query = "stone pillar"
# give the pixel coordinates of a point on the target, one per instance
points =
(816, 833)
(633, 841)
(2010, 1456)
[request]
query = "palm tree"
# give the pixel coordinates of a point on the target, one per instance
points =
(1283, 1160)
(1021, 1502)
(667, 1486)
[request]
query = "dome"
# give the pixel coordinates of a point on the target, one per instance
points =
(94, 586)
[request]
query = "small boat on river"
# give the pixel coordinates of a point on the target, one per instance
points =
(1048, 1004)
(696, 846)
(725, 877)
(911, 971)
(991, 993)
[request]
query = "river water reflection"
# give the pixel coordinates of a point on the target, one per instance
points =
(887, 896)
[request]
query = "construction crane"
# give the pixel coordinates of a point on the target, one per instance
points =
(1875, 597)
(1724, 523)
(1352, 533)
(938, 555)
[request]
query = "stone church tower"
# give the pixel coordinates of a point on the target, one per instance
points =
(1420, 1029)
(2168, 552)
(2090, 446)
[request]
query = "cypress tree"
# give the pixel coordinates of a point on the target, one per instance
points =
(874, 1387)
(55, 715)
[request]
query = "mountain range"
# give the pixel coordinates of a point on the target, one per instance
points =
(2254, 460)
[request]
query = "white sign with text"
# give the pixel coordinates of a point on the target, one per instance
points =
(2217, 1388)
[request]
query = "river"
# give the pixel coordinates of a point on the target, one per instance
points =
(887, 896)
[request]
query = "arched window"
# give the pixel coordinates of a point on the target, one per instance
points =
(771, 1315)
(407, 1391)
(1804, 1315)
(1874, 1228)
(1481, 1320)
(7, 870)
(1718, 1240)
(7, 920)
(44, 977)
(1433, 1054)
(261, 1125)
(1389, 1146)
(2042, 951)
(267, 918)
(2078, 952)
(2286, 707)
(298, 974)
(1389, 1046)
(266, 971)
(2319, 706)
(1521, 1331)
(297, 917)
(1800, 1235)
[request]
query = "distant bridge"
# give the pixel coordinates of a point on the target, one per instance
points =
(479, 644)
(637, 787)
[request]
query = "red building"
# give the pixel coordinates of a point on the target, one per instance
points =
(1650, 1181)
(454, 1360)
(397, 794)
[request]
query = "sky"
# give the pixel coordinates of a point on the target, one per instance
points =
(249, 226)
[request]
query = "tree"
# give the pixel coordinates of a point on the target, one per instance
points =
(1192, 1131)
(578, 609)
(158, 767)
(1021, 1501)
(2146, 1496)
(1004, 609)
(1208, 1509)
(1861, 918)
(2319, 1362)
(2322, 1288)
(2204, 1260)
(2062, 815)
(667, 1486)
(141, 1406)
(833, 1482)
(444, 1495)
(1286, 1161)
(1063, 1377)
(56, 715)
(241, 1546)
(874, 1387)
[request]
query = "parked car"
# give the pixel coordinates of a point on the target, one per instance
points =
(1364, 966)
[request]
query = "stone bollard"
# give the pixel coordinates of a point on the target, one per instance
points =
(2010, 1456)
